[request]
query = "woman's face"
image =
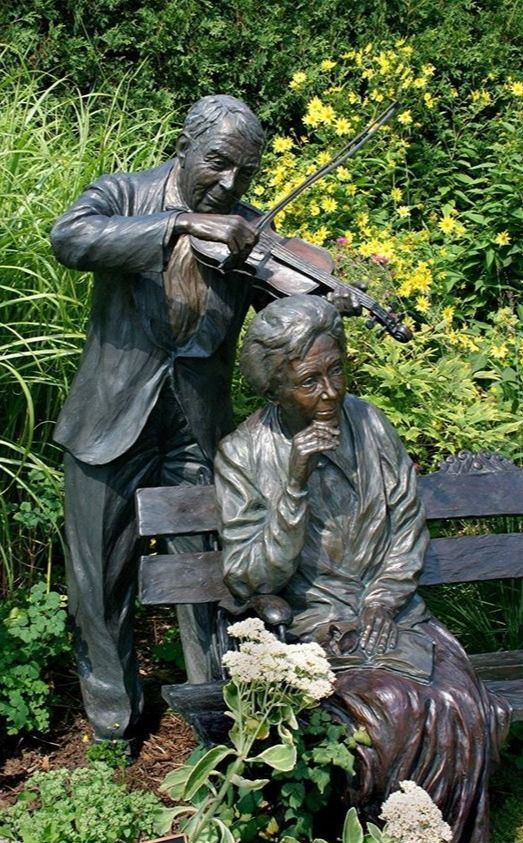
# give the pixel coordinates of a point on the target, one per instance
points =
(313, 388)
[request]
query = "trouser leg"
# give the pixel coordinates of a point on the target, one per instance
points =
(101, 576)
(102, 559)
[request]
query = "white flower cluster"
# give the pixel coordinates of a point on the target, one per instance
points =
(412, 817)
(262, 659)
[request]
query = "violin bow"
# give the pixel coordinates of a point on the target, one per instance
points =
(343, 155)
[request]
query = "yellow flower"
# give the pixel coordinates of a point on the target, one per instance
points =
(362, 219)
(516, 88)
(259, 190)
(502, 239)
(297, 80)
(405, 118)
(376, 96)
(351, 190)
(499, 352)
(429, 100)
(447, 225)
(343, 174)
(422, 304)
(314, 209)
(342, 126)
(396, 194)
(353, 98)
(318, 113)
(349, 236)
(384, 63)
(348, 55)
(323, 157)
(482, 97)
(327, 64)
(448, 313)
(318, 238)
(282, 144)
(420, 82)
(403, 211)
(329, 205)
(428, 69)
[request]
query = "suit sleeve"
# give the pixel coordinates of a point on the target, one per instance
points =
(100, 232)
(261, 538)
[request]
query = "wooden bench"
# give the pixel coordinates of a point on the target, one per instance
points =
(466, 486)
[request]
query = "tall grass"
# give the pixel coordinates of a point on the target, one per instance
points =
(52, 146)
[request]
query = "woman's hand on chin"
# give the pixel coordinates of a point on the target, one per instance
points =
(306, 446)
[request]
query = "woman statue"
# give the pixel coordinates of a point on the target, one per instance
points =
(319, 505)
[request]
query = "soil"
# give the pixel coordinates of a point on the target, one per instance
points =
(167, 738)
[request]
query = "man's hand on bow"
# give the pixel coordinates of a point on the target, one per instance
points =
(234, 231)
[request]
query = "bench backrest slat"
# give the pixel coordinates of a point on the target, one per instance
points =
(472, 495)
(181, 578)
(471, 558)
(176, 510)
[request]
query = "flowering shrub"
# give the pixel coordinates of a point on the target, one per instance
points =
(270, 684)
(428, 214)
(410, 816)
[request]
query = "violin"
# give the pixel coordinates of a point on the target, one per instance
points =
(286, 266)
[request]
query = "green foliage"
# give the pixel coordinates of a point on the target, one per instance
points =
(87, 805)
(186, 48)
(52, 148)
(32, 633)
(170, 649)
(324, 755)
(113, 753)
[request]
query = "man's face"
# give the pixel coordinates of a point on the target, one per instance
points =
(216, 168)
(312, 389)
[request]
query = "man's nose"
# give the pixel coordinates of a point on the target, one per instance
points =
(228, 178)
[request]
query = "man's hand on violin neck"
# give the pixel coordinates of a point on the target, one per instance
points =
(230, 229)
(346, 301)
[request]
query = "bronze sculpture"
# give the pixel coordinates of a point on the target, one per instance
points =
(318, 504)
(151, 398)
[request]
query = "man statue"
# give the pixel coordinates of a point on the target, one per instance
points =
(151, 399)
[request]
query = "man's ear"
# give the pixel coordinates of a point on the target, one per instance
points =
(182, 145)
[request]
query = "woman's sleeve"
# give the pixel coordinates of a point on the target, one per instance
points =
(396, 581)
(261, 538)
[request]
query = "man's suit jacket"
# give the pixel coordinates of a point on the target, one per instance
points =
(118, 229)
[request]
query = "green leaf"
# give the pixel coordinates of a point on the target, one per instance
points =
(231, 696)
(352, 830)
(285, 734)
(249, 784)
(375, 832)
(175, 781)
(204, 768)
(225, 834)
(165, 817)
(281, 757)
